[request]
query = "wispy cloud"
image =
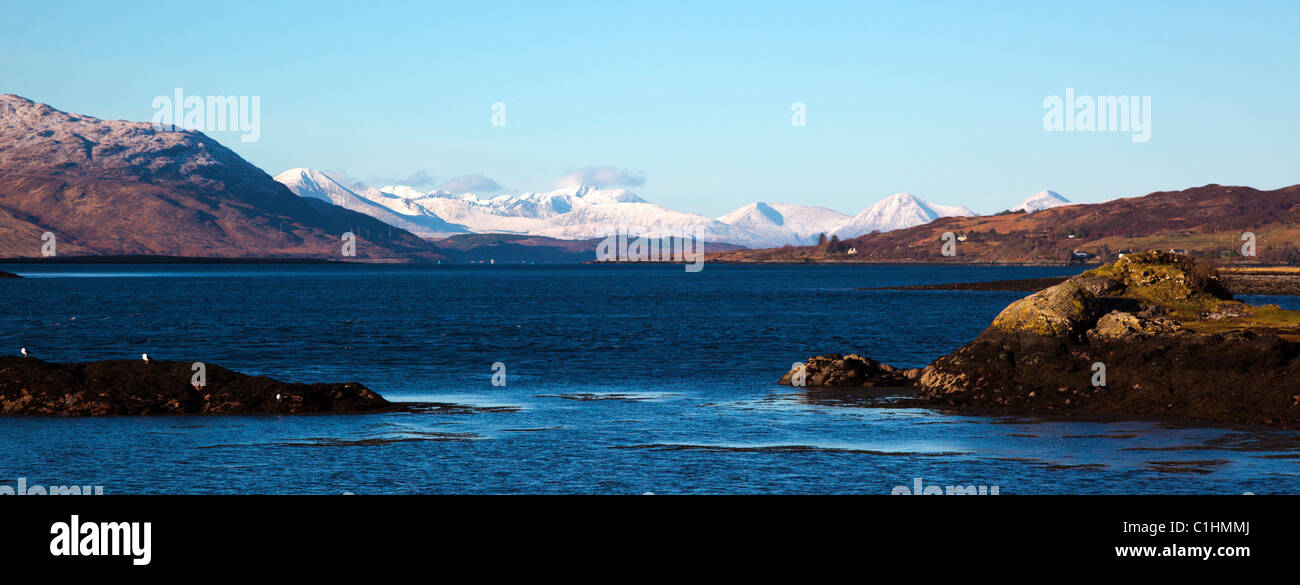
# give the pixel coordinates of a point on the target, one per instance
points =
(605, 176)
(475, 183)
(420, 178)
(341, 176)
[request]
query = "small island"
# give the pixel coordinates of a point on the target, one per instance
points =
(29, 386)
(1152, 334)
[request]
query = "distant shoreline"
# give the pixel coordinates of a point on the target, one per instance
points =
(149, 259)
(1241, 278)
(1017, 285)
(1238, 282)
(909, 262)
(156, 259)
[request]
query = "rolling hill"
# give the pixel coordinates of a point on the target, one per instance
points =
(1205, 221)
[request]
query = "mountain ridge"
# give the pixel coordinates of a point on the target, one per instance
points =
(113, 187)
(583, 212)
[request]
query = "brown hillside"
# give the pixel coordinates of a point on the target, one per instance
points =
(115, 187)
(1206, 221)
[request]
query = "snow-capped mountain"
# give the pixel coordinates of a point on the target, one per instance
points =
(560, 201)
(577, 212)
(478, 216)
(313, 183)
(401, 191)
(897, 211)
(778, 224)
(318, 185)
(644, 219)
(586, 212)
(1040, 201)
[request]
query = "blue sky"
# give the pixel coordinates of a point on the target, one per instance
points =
(940, 99)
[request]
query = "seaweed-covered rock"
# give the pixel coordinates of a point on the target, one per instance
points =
(29, 386)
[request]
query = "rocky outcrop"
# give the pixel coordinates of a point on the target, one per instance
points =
(849, 371)
(1152, 334)
(4, 274)
(29, 386)
(1118, 325)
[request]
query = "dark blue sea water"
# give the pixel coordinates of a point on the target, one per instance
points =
(619, 379)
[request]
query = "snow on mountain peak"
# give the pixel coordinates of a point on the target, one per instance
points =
(595, 195)
(315, 184)
(770, 213)
(583, 211)
(898, 211)
(1041, 200)
(402, 191)
(778, 224)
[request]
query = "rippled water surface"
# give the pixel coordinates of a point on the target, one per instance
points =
(620, 379)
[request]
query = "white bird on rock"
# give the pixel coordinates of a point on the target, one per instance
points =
(146, 357)
(25, 352)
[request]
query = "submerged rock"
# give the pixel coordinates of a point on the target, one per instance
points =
(1151, 334)
(29, 386)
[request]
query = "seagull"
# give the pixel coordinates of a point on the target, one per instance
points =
(25, 352)
(277, 396)
(145, 356)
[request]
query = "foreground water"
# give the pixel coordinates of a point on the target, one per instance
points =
(619, 379)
